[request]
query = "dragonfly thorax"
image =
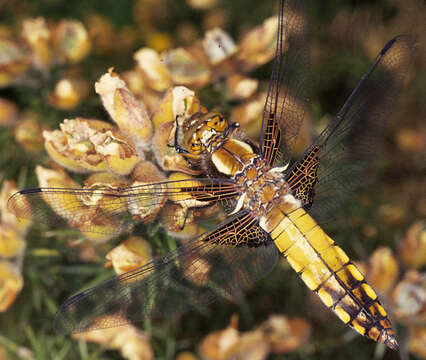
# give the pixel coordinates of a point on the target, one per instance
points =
(263, 187)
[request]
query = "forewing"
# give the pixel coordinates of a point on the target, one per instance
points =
(199, 272)
(336, 163)
(113, 211)
(288, 87)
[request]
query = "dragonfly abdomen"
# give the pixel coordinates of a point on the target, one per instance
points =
(327, 270)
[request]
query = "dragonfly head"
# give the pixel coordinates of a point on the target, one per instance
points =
(204, 132)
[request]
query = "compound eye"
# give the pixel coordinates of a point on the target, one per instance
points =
(218, 123)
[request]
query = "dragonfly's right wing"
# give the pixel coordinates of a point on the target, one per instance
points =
(113, 211)
(218, 264)
(336, 163)
(288, 90)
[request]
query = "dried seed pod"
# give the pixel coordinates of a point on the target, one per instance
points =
(218, 344)
(383, 270)
(258, 46)
(148, 203)
(11, 283)
(101, 33)
(14, 62)
(218, 46)
(85, 145)
(96, 225)
(286, 334)
(38, 37)
(411, 140)
(71, 40)
(127, 112)
(8, 218)
(158, 41)
(12, 244)
(249, 114)
(132, 343)
(253, 345)
(392, 213)
(179, 222)
(129, 255)
(202, 4)
(416, 342)
(104, 180)
(240, 87)
(412, 249)
(28, 133)
(153, 68)
(186, 355)
(185, 69)
(8, 113)
(68, 93)
(197, 270)
(177, 101)
(409, 298)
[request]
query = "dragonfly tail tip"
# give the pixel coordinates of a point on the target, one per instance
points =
(390, 341)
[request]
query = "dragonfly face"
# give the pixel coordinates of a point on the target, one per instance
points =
(204, 132)
(276, 209)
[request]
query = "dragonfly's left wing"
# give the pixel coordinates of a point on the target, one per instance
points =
(113, 211)
(288, 87)
(335, 164)
(217, 264)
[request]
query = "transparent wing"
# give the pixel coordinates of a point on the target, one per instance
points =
(336, 163)
(197, 273)
(113, 211)
(288, 88)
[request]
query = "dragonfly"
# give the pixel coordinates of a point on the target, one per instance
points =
(277, 205)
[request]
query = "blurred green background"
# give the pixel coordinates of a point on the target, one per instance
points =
(346, 35)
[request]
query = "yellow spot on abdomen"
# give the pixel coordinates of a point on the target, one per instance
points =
(342, 314)
(358, 327)
(325, 297)
(334, 257)
(300, 254)
(369, 291)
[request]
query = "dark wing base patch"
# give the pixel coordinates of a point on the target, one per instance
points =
(239, 231)
(304, 176)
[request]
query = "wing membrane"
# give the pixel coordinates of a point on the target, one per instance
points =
(112, 211)
(196, 274)
(335, 164)
(288, 87)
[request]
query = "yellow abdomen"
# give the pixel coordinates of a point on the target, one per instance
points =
(326, 269)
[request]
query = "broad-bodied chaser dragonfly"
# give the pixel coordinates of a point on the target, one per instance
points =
(276, 207)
